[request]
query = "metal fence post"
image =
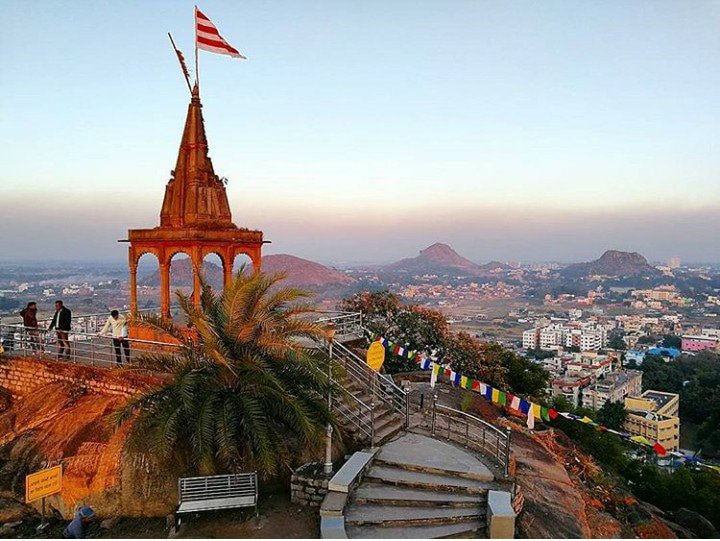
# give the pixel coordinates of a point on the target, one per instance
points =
(433, 416)
(372, 425)
(407, 407)
(507, 451)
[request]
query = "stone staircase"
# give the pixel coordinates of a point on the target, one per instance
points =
(386, 422)
(369, 406)
(419, 487)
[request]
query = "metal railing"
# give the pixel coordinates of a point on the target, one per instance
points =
(76, 347)
(87, 323)
(353, 413)
(345, 324)
(380, 386)
(472, 432)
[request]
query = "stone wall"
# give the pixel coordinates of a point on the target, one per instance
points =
(309, 485)
(23, 375)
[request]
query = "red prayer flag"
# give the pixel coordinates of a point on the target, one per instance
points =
(553, 414)
(208, 38)
(659, 449)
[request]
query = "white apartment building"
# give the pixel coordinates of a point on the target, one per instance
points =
(551, 336)
(531, 339)
(586, 337)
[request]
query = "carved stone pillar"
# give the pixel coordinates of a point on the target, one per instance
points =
(133, 290)
(197, 287)
(227, 273)
(165, 290)
(255, 258)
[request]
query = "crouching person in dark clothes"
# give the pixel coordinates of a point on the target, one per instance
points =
(76, 528)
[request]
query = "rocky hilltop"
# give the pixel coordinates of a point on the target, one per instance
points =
(304, 273)
(612, 263)
(440, 258)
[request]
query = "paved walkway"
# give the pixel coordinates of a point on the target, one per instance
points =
(416, 451)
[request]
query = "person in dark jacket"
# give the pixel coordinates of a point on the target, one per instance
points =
(61, 323)
(30, 322)
(76, 528)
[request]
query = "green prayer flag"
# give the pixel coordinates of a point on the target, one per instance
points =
(545, 414)
(502, 399)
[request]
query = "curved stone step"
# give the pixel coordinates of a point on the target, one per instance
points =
(429, 481)
(396, 515)
(376, 493)
(460, 529)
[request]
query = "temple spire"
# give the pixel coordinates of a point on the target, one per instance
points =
(195, 196)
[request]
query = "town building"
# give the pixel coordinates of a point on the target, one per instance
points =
(614, 387)
(654, 415)
(699, 342)
(570, 387)
(585, 336)
(531, 339)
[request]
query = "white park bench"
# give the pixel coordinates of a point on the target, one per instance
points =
(217, 492)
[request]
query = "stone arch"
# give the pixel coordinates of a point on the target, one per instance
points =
(212, 269)
(181, 274)
(241, 258)
(147, 286)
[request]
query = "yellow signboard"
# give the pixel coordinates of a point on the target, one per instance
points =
(375, 356)
(43, 483)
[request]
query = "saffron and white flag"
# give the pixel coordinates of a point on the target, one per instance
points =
(208, 38)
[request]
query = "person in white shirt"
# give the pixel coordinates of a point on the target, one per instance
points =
(118, 327)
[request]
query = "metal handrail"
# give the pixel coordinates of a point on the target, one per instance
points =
(497, 445)
(379, 385)
(354, 411)
(346, 323)
(81, 347)
(387, 389)
(78, 319)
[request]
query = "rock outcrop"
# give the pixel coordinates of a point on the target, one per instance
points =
(70, 422)
(612, 263)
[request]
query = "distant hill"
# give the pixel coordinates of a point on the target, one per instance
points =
(612, 263)
(442, 259)
(300, 273)
(304, 273)
(495, 266)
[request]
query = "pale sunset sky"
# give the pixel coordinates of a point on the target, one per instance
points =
(365, 131)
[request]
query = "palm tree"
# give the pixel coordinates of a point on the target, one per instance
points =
(241, 393)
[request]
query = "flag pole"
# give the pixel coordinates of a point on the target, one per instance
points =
(180, 58)
(197, 68)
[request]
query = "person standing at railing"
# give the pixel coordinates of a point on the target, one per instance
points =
(61, 322)
(30, 322)
(118, 327)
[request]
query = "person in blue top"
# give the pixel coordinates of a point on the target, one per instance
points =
(76, 528)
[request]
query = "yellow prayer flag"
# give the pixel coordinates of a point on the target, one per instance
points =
(495, 395)
(536, 411)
